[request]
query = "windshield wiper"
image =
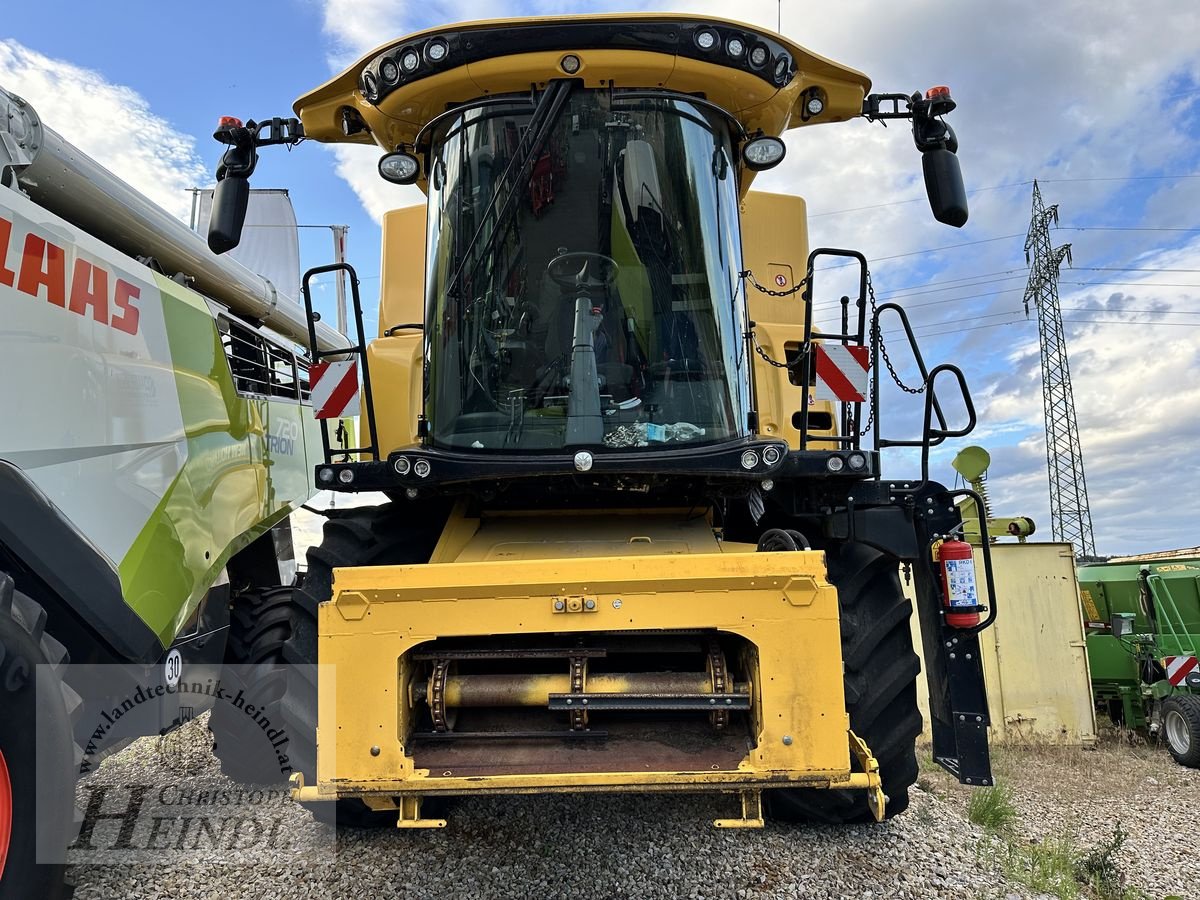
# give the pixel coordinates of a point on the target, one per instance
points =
(520, 168)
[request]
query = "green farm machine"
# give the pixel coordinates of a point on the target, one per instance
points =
(1143, 633)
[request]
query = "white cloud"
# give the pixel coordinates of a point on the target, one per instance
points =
(110, 123)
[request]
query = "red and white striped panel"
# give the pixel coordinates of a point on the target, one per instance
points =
(334, 389)
(842, 372)
(1179, 667)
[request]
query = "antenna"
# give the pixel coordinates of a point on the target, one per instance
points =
(779, 16)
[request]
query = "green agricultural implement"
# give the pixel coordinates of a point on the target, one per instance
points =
(1143, 621)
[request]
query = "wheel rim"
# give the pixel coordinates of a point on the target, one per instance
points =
(5, 812)
(1178, 736)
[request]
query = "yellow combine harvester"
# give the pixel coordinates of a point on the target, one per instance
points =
(628, 546)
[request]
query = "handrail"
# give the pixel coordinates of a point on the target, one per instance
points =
(1178, 636)
(359, 349)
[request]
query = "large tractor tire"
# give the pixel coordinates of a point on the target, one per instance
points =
(881, 672)
(276, 633)
(260, 622)
(38, 772)
(1181, 728)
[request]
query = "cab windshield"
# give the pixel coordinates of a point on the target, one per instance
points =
(583, 272)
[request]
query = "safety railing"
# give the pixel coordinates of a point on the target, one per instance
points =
(359, 351)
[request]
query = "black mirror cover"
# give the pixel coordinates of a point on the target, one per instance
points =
(944, 185)
(230, 200)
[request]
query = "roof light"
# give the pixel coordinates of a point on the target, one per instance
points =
(409, 60)
(783, 67)
(763, 153)
(370, 85)
(937, 91)
(706, 39)
(389, 71)
(229, 122)
(436, 50)
(735, 47)
(759, 56)
(399, 168)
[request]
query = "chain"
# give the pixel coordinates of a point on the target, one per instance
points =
(749, 276)
(877, 336)
(763, 353)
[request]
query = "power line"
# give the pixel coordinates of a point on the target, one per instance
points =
(997, 187)
(1122, 228)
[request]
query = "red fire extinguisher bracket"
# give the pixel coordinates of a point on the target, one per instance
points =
(960, 588)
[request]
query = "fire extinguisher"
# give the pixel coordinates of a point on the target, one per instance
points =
(961, 593)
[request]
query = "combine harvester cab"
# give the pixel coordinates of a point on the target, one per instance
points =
(156, 437)
(635, 539)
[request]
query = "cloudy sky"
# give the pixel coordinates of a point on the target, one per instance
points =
(1099, 102)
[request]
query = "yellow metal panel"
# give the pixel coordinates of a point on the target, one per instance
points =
(774, 243)
(1034, 656)
(395, 365)
(521, 537)
(402, 293)
(779, 602)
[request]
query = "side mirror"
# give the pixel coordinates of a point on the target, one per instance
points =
(944, 185)
(230, 199)
(1121, 624)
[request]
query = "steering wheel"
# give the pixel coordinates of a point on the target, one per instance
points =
(570, 270)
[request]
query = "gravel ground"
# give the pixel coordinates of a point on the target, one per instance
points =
(1081, 795)
(560, 846)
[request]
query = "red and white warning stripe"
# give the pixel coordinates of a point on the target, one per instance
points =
(1179, 667)
(334, 389)
(842, 372)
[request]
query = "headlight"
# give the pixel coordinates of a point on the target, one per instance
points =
(835, 464)
(763, 153)
(409, 60)
(346, 476)
(436, 50)
(422, 468)
(759, 55)
(783, 64)
(735, 47)
(389, 71)
(399, 168)
(402, 465)
(706, 39)
(772, 455)
(856, 461)
(749, 459)
(325, 475)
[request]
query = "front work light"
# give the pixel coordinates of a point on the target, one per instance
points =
(763, 153)
(399, 168)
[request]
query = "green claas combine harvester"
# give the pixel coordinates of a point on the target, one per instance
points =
(1143, 621)
(634, 537)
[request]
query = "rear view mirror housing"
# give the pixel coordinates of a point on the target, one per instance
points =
(945, 188)
(230, 200)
